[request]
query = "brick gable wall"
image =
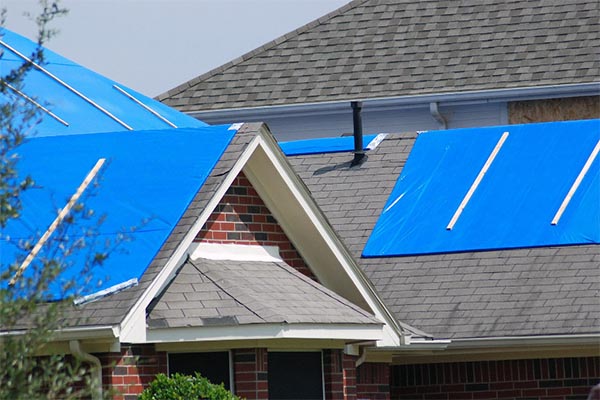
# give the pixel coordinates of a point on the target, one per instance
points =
(242, 218)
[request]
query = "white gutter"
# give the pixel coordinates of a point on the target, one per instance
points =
(530, 342)
(526, 341)
(75, 348)
(80, 333)
(451, 98)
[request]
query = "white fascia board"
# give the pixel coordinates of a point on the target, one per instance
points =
(443, 99)
(133, 327)
(77, 333)
(526, 341)
(483, 345)
(392, 330)
(346, 332)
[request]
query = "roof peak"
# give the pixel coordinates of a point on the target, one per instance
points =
(180, 88)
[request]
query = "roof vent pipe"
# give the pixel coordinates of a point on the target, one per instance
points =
(359, 153)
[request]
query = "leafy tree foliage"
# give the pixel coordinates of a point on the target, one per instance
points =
(185, 387)
(30, 367)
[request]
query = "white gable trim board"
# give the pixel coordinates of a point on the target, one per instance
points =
(316, 240)
(263, 154)
(133, 327)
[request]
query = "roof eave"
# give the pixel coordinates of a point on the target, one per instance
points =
(347, 333)
(409, 101)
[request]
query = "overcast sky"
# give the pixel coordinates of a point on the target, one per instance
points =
(154, 45)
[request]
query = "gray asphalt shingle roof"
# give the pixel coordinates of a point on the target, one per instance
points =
(388, 48)
(534, 291)
(226, 293)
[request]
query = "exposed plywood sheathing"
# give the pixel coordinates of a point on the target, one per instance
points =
(565, 109)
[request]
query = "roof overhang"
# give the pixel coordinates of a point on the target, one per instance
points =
(343, 333)
(491, 348)
(92, 338)
(408, 101)
(300, 218)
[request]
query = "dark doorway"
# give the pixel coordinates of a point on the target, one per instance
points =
(295, 375)
(214, 365)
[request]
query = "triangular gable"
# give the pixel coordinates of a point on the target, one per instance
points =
(494, 188)
(241, 217)
(300, 219)
(147, 182)
(80, 100)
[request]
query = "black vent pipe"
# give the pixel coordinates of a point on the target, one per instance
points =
(359, 153)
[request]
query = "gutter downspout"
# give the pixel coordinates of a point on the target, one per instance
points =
(75, 348)
(435, 113)
(363, 357)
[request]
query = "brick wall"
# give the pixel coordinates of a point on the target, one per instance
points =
(373, 381)
(250, 368)
(131, 370)
(339, 372)
(556, 378)
(242, 218)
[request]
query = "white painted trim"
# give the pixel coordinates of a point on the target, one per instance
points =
(81, 333)
(515, 341)
(350, 332)
(362, 284)
(234, 252)
(133, 326)
(445, 99)
(135, 332)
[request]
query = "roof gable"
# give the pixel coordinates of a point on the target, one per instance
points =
(72, 96)
(388, 48)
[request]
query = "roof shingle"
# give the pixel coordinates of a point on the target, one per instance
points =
(531, 291)
(388, 48)
(209, 292)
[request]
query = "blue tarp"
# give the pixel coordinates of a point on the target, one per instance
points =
(322, 145)
(148, 181)
(82, 116)
(513, 206)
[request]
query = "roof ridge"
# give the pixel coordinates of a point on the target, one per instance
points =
(281, 39)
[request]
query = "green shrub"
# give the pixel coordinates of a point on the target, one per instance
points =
(185, 387)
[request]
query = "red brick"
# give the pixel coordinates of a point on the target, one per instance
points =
(484, 395)
(245, 386)
(558, 391)
(525, 385)
(534, 392)
(501, 385)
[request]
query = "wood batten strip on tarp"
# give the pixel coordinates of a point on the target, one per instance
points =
(477, 181)
(575, 186)
(58, 220)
